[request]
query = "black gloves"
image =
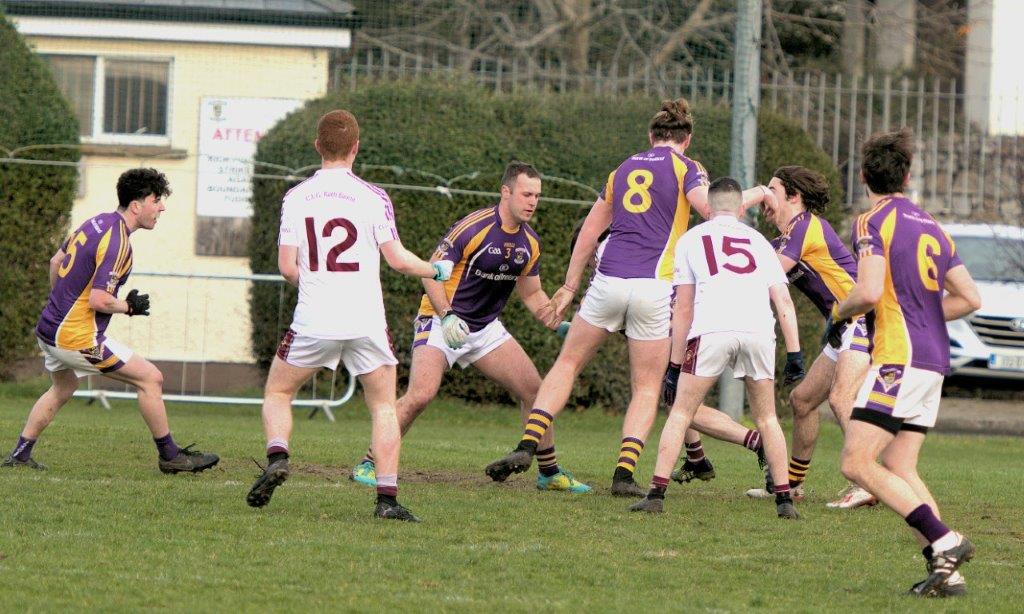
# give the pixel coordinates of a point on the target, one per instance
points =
(138, 304)
(669, 384)
(833, 332)
(794, 369)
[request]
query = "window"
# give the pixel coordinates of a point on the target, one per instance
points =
(116, 100)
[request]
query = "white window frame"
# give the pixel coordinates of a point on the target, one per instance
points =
(99, 137)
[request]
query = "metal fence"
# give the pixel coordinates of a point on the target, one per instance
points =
(962, 172)
(194, 316)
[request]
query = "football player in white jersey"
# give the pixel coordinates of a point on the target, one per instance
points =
(334, 225)
(725, 274)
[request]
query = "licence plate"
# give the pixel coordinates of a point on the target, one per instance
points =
(1006, 362)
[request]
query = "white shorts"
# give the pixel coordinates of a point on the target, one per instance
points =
(642, 306)
(428, 331)
(747, 354)
(899, 397)
(109, 355)
(360, 355)
(855, 338)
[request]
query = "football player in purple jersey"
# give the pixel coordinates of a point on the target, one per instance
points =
(646, 206)
(495, 251)
(910, 276)
(86, 274)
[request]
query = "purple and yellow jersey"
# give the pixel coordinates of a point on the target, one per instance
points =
(650, 212)
(825, 270)
(909, 326)
(98, 255)
(488, 262)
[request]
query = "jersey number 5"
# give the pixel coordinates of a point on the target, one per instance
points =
(69, 260)
(927, 249)
(332, 262)
(730, 247)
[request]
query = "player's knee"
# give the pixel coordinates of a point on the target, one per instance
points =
(414, 402)
(802, 406)
(851, 467)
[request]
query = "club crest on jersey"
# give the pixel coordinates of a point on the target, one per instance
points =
(521, 255)
(112, 283)
(889, 376)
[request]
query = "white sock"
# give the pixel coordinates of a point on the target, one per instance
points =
(947, 541)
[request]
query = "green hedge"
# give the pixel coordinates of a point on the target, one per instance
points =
(35, 200)
(463, 131)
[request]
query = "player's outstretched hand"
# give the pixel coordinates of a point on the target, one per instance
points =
(833, 332)
(138, 304)
(562, 300)
(442, 269)
(547, 316)
(794, 370)
(670, 383)
(454, 330)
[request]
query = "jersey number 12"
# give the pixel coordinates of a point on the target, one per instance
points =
(332, 261)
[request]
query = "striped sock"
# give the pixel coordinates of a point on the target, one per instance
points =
(780, 490)
(536, 425)
(547, 462)
(387, 486)
(695, 452)
(658, 487)
(368, 457)
(629, 455)
(798, 471)
(752, 440)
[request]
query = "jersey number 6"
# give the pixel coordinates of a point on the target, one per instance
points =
(730, 247)
(332, 262)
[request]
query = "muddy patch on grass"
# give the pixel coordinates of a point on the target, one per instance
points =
(414, 476)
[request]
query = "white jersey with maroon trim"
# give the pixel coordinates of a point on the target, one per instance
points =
(338, 223)
(732, 266)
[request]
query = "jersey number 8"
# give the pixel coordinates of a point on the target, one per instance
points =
(638, 188)
(332, 262)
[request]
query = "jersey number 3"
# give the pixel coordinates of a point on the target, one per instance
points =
(731, 246)
(332, 260)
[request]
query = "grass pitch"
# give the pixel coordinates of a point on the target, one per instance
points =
(104, 530)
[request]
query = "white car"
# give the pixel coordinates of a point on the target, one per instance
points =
(990, 342)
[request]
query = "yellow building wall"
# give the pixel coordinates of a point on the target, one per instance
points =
(196, 320)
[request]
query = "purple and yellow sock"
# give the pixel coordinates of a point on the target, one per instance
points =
(695, 452)
(547, 462)
(536, 425)
(629, 455)
(23, 451)
(798, 471)
(166, 447)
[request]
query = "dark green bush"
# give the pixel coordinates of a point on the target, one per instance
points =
(408, 130)
(35, 200)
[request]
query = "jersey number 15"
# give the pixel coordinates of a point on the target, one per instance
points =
(731, 246)
(332, 261)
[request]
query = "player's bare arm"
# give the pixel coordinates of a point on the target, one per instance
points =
(437, 296)
(698, 198)
(598, 220)
(962, 296)
(55, 263)
(868, 290)
(408, 263)
(105, 302)
(786, 312)
(288, 263)
(787, 263)
(530, 290)
(682, 318)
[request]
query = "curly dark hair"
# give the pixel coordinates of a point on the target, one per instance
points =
(138, 183)
(809, 184)
(887, 158)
